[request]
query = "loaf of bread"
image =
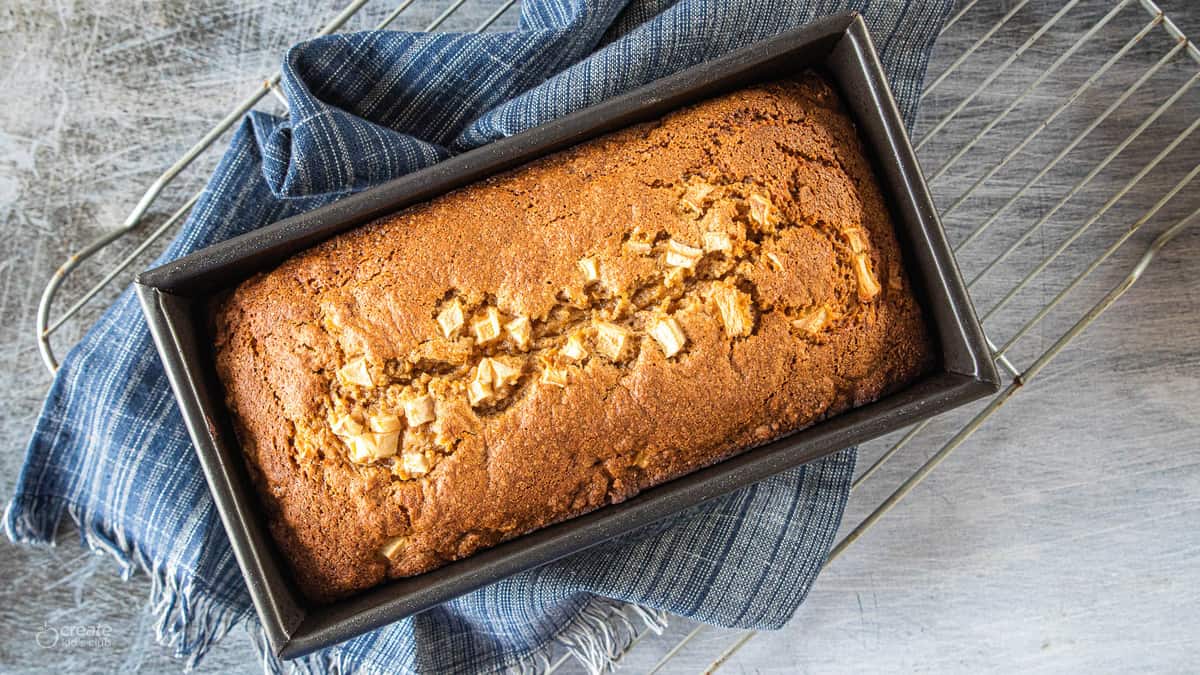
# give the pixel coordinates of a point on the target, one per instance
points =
(567, 334)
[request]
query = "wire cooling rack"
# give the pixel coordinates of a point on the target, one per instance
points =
(1111, 78)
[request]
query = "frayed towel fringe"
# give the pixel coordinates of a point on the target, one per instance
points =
(188, 621)
(325, 662)
(29, 520)
(596, 637)
(604, 629)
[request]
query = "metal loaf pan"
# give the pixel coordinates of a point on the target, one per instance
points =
(174, 295)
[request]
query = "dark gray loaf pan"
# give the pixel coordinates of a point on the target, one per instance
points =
(174, 295)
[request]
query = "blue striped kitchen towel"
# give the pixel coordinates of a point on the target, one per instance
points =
(110, 449)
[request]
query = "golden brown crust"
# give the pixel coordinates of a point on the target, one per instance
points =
(750, 226)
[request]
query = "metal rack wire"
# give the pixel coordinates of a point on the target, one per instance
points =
(1178, 50)
(1000, 315)
(45, 327)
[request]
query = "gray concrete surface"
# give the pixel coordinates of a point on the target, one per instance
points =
(1062, 537)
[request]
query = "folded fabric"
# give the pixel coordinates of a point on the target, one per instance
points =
(110, 448)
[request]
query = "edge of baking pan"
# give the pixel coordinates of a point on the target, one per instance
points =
(170, 295)
(865, 89)
(278, 606)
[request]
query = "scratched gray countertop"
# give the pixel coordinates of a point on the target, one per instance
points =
(1063, 536)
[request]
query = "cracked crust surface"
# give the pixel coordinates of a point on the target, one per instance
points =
(750, 224)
